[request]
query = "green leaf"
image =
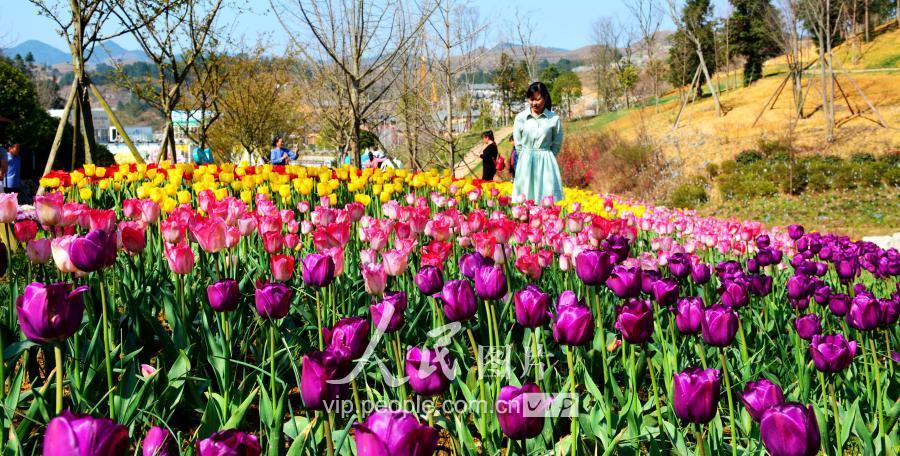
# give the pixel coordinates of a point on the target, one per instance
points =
(237, 417)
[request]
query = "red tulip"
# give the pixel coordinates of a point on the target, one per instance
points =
(282, 267)
(25, 231)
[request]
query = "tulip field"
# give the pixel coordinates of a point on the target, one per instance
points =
(244, 310)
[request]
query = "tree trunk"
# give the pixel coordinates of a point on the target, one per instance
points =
(709, 81)
(60, 130)
(115, 121)
(76, 127)
(90, 139)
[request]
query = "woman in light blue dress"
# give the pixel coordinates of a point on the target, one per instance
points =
(538, 135)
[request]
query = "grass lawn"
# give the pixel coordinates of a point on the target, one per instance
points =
(856, 213)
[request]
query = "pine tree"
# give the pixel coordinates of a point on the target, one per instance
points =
(749, 25)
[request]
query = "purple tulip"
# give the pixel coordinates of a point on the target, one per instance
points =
(790, 430)
(532, 306)
(758, 396)
(808, 326)
(664, 291)
(350, 335)
(832, 353)
(760, 284)
(490, 283)
(689, 314)
(593, 266)
(624, 282)
(94, 251)
(317, 270)
(890, 310)
(864, 313)
(795, 231)
(839, 304)
(229, 442)
(847, 269)
(388, 433)
(752, 265)
(696, 394)
(223, 295)
(430, 280)
(763, 241)
(84, 435)
(317, 371)
(459, 300)
(734, 294)
(426, 369)
(273, 300)
(470, 263)
(700, 273)
(518, 411)
(388, 314)
(634, 320)
(799, 286)
(719, 325)
(680, 265)
(574, 322)
(48, 313)
(648, 278)
(618, 247)
(822, 294)
(158, 442)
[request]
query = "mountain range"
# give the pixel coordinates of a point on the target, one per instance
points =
(47, 54)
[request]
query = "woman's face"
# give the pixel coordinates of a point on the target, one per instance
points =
(537, 103)
(279, 142)
(485, 139)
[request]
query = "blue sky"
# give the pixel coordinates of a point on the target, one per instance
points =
(563, 23)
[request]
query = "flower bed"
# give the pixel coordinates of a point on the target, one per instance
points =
(240, 309)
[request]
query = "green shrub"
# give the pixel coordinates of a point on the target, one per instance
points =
(862, 157)
(728, 167)
(870, 174)
(818, 182)
(892, 159)
(712, 170)
(747, 157)
(773, 148)
(690, 194)
(742, 186)
(892, 177)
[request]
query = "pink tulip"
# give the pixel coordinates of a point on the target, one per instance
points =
(282, 267)
(273, 242)
(60, 249)
(291, 240)
(374, 278)
(131, 208)
(395, 262)
(210, 234)
(232, 236)
(337, 256)
(303, 207)
(49, 208)
(180, 258)
(149, 211)
(38, 251)
(9, 207)
(172, 230)
(356, 211)
(102, 219)
(72, 213)
(268, 224)
(132, 237)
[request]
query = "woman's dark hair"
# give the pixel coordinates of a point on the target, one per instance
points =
(275, 141)
(539, 87)
(488, 134)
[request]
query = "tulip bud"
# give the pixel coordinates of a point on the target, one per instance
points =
(426, 369)
(388, 432)
(75, 434)
(350, 334)
(223, 295)
(518, 411)
(273, 300)
(388, 314)
(158, 442)
(490, 283)
(532, 307)
(719, 325)
(808, 326)
(459, 300)
(689, 314)
(696, 393)
(430, 280)
(758, 396)
(574, 322)
(48, 313)
(634, 320)
(790, 430)
(229, 442)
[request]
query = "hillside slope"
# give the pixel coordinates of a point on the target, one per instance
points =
(703, 138)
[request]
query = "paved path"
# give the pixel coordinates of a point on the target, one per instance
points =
(885, 242)
(471, 160)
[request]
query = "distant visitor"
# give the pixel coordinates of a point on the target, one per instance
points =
(538, 135)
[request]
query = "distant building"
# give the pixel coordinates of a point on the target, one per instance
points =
(106, 134)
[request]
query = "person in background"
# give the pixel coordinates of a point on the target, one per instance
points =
(488, 156)
(539, 135)
(12, 170)
(513, 158)
(3, 153)
(202, 156)
(280, 154)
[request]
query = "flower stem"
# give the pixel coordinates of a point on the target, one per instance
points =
(400, 357)
(537, 359)
(602, 332)
(655, 392)
(57, 351)
(837, 419)
(730, 402)
(573, 389)
(106, 346)
(272, 359)
(878, 399)
(319, 321)
(700, 445)
(356, 402)
(329, 440)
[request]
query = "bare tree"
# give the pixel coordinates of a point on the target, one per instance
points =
(202, 100)
(364, 40)
(84, 26)
(450, 36)
(691, 32)
(606, 60)
(648, 15)
(524, 27)
(417, 96)
(173, 40)
(817, 14)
